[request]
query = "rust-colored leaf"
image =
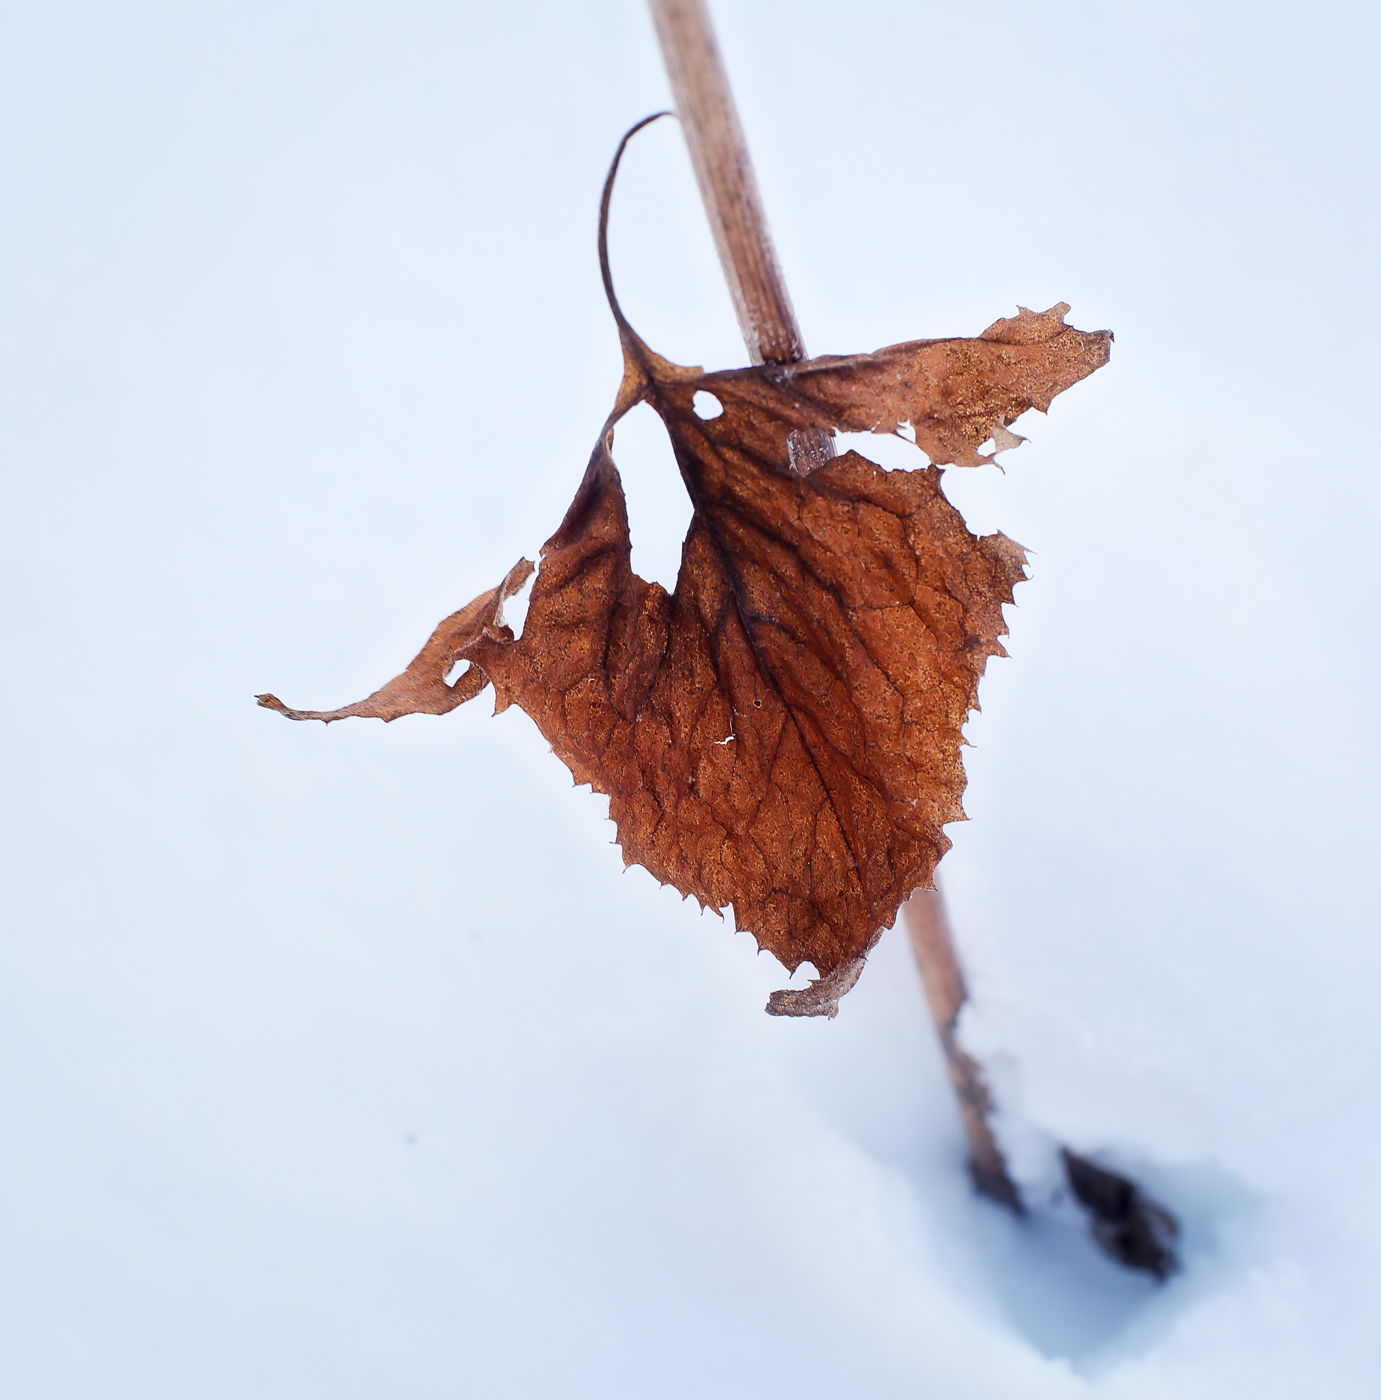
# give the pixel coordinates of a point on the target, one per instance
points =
(782, 734)
(422, 688)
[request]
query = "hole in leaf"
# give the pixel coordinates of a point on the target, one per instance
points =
(892, 453)
(706, 405)
(515, 609)
(659, 510)
(514, 615)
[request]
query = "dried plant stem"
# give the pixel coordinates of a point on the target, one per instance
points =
(943, 978)
(728, 187)
(1126, 1223)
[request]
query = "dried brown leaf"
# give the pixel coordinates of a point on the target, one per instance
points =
(782, 733)
(422, 688)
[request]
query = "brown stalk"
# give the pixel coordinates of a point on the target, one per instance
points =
(943, 978)
(728, 187)
(1126, 1223)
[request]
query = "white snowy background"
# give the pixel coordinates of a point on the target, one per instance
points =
(348, 1063)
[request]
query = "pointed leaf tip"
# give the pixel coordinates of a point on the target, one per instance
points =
(422, 689)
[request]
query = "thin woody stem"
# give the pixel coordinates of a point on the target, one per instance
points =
(728, 186)
(943, 978)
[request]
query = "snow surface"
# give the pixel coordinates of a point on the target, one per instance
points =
(349, 1063)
